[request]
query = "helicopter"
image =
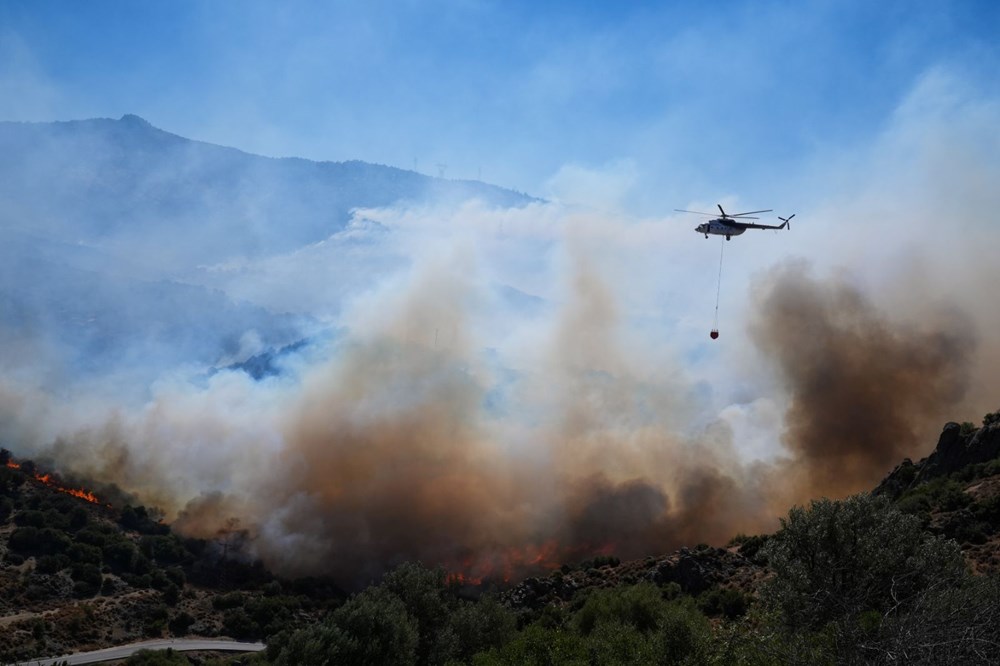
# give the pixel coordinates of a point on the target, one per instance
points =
(732, 225)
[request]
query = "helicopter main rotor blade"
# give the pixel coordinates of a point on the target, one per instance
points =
(751, 212)
(722, 211)
(679, 210)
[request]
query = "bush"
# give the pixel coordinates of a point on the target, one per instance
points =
(228, 601)
(30, 519)
(843, 558)
(89, 573)
(180, 624)
(34, 541)
(155, 621)
(480, 626)
(538, 646)
(640, 606)
(749, 545)
(163, 549)
(723, 602)
(50, 564)
(423, 594)
(120, 554)
(273, 614)
(617, 643)
(239, 625)
(84, 589)
(78, 518)
(171, 594)
(91, 536)
(84, 553)
(946, 624)
(371, 628)
(684, 633)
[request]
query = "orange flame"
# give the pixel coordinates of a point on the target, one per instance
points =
(508, 564)
(48, 480)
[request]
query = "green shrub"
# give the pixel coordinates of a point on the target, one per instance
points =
(228, 601)
(684, 633)
(78, 518)
(171, 594)
(33, 541)
(617, 643)
(953, 497)
(538, 646)
(424, 593)
(163, 549)
(371, 628)
(91, 536)
(84, 553)
(640, 606)
(120, 554)
(846, 557)
(50, 564)
(30, 518)
(480, 626)
(239, 625)
(180, 623)
(723, 602)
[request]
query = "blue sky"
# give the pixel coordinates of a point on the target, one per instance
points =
(692, 100)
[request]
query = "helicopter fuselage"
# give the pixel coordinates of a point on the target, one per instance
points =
(719, 227)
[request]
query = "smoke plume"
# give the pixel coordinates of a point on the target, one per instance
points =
(500, 389)
(863, 392)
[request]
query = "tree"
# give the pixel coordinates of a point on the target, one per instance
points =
(371, 628)
(843, 558)
(945, 624)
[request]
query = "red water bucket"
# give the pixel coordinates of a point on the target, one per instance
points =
(714, 334)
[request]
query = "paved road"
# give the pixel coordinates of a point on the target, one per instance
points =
(125, 651)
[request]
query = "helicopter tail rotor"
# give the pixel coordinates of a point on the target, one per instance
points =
(787, 221)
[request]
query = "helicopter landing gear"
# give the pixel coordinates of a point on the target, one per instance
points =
(729, 238)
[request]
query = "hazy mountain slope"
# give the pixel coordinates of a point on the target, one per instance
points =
(105, 226)
(125, 182)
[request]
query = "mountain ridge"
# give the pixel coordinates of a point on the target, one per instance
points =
(127, 182)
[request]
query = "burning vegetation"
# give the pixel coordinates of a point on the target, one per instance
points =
(50, 480)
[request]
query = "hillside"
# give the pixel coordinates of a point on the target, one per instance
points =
(125, 183)
(118, 242)
(79, 574)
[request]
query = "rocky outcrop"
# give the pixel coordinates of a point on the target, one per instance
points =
(958, 447)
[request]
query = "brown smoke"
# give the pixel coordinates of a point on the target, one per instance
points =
(863, 391)
(407, 444)
(391, 456)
